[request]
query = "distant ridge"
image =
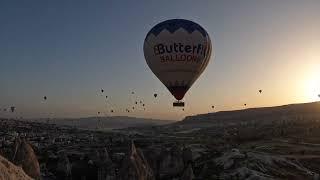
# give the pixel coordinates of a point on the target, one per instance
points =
(108, 122)
(262, 113)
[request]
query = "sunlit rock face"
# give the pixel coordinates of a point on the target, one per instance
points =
(9, 171)
(135, 166)
(24, 156)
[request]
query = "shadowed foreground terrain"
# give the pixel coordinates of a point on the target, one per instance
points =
(260, 143)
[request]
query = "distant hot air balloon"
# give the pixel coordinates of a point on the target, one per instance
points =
(318, 95)
(102, 90)
(136, 102)
(143, 105)
(177, 52)
(45, 97)
(155, 95)
(112, 111)
(132, 92)
(106, 97)
(260, 91)
(12, 108)
(182, 109)
(212, 107)
(98, 112)
(144, 109)
(140, 102)
(244, 104)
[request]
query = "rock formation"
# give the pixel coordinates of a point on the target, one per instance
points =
(64, 167)
(24, 156)
(171, 163)
(135, 166)
(9, 171)
(187, 173)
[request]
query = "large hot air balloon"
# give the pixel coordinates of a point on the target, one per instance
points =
(177, 52)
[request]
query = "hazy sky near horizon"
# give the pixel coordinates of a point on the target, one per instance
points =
(69, 50)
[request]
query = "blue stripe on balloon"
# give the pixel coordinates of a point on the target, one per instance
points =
(174, 24)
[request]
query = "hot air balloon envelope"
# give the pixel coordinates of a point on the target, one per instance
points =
(177, 52)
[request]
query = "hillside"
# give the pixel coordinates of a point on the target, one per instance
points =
(112, 122)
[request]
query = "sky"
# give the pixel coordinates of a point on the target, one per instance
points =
(69, 50)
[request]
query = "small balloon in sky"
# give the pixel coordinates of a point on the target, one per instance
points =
(212, 107)
(12, 108)
(155, 95)
(177, 51)
(102, 90)
(112, 111)
(244, 104)
(136, 102)
(260, 91)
